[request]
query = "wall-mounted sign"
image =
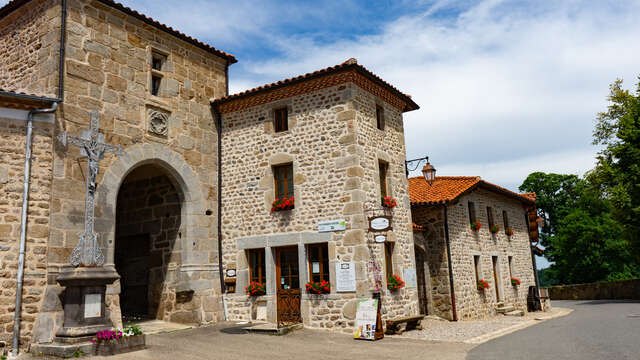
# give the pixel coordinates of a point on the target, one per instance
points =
(346, 276)
(410, 278)
(380, 238)
(92, 305)
(380, 223)
(332, 225)
(231, 272)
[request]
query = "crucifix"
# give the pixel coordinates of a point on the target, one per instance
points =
(91, 145)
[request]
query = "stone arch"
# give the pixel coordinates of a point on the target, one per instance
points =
(184, 178)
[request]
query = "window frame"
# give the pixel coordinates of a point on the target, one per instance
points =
(281, 123)
(287, 180)
(323, 259)
(262, 276)
(157, 75)
(388, 258)
(380, 120)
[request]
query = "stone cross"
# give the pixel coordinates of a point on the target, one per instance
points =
(92, 145)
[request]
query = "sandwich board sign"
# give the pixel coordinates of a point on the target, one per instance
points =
(368, 320)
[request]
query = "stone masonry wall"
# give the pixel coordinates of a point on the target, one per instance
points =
(470, 302)
(12, 157)
(29, 48)
(327, 142)
(432, 240)
(108, 69)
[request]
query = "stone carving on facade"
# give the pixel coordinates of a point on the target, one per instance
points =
(158, 121)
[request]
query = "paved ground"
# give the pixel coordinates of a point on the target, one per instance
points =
(596, 329)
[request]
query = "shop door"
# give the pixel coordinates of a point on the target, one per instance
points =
(288, 286)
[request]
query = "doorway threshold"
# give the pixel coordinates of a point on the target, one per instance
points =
(272, 329)
(150, 327)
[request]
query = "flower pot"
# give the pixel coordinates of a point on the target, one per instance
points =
(122, 345)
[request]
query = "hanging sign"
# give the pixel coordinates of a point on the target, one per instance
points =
(380, 238)
(332, 225)
(346, 277)
(380, 223)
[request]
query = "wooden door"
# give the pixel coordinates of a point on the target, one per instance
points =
(288, 286)
(133, 260)
(422, 281)
(496, 276)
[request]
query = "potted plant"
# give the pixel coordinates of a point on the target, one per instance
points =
(508, 231)
(475, 226)
(482, 285)
(515, 281)
(494, 228)
(282, 204)
(112, 342)
(319, 287)
(389, 202)
(394, 283)
(256, 289)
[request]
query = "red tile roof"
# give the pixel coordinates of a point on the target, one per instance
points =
(15, 4)
(368, 81)
(449, 188)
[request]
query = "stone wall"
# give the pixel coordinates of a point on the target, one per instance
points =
(333, 149)
(108, 69)
(465, 243)
(29, 48)
(432, 241)
(12, 157)
(613, 290)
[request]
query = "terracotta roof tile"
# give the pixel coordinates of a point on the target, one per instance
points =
(351, 64)
(15, 4)
(448, 188)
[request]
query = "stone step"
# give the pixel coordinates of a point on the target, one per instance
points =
(505, 309)
(271, 329)
(515, 313)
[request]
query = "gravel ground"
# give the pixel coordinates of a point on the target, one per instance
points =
(462, 331)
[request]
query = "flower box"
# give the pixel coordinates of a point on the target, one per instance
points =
(394, 283)
(515, 281)
(121, 345)
(320, 287)
(494, 229)
(256, 289)
(389, 202)
(475, 226)
(283, 204)
(482, 285)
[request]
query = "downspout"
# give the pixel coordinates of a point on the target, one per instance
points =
(23, 224)
(63, 37)
(446, 236)
(218, 116)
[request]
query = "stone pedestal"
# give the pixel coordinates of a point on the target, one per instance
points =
(84, 309)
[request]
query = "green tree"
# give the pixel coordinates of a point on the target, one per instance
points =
(617, 172)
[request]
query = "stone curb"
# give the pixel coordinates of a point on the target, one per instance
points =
(502, 332)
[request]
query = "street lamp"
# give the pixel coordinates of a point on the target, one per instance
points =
(429, 173)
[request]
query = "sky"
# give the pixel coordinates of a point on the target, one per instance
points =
(505, 88)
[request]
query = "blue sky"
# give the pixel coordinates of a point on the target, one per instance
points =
(505, 87)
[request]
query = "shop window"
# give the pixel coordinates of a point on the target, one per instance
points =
(388, 259)
(380, 117)
(256, 265)
(318, 262)
(281, 119)
(283, 175)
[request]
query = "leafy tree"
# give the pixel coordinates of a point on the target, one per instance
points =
(556, 195)
(617, 172)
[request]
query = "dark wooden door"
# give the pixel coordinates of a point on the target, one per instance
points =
(496, 276)
(288, 288)
(133, 260)
(422, 281)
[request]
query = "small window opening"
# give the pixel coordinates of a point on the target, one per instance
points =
(388, 259)
(383, 169)
(157, 61)
(476, 265)
(257, 266)
(318, 262)
(380, 117)
(511, 266)
(281, 119)
(283, 176)
(472, 212)
(490, 218)
(505, 220)
(155, 84)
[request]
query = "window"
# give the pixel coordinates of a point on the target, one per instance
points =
(283, 175)
(388, 259)
(472, 212)
(281, 119)
(505, 220)
(380, 117)
(256, 265)
(510, 266)
(490, 216)
(383, 167)
(318, 262)
(157, 66)
(476, 265)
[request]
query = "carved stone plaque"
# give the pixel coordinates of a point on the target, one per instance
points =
(158, 121)
(92, 305)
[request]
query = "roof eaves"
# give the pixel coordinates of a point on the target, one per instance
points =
(24, 96)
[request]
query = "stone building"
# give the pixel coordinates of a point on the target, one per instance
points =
(334, 141)
(449, 251)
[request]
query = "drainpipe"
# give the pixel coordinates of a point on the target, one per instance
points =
(446, 236)
(63, 37)
(23, 225)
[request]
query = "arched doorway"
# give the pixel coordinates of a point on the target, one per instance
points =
(147, 241)
(423, 281)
